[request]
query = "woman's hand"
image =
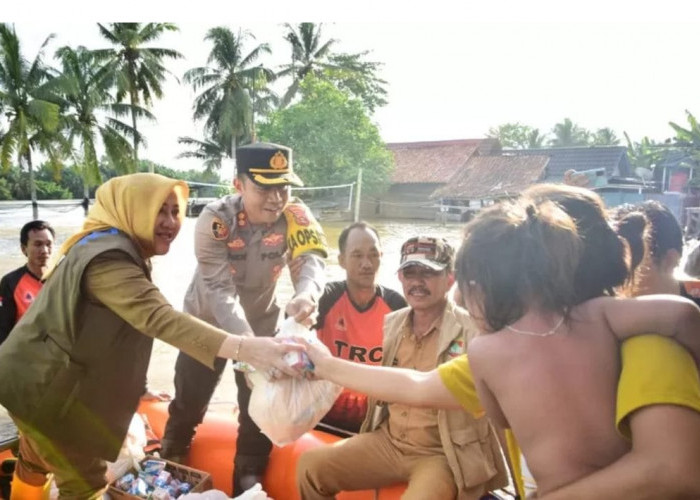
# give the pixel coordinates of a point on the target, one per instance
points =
(319, 355)
(266, 355)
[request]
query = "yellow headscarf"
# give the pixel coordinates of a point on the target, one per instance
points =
(131, 204)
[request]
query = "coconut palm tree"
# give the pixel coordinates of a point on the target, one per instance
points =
(31, 110)
(138, 68)
(85, 86)
(211, 153)
(535, 140)
(605, 137)
(309, 54)
(351, 73)
(231, 86)
(567, 134)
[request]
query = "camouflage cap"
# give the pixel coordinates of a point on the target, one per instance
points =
(434, 253)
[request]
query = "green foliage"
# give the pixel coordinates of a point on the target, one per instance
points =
(604, 137)
(311, 55)
(5, 192)
(568, 134)
(70, 179)
(358, 77)
(332, 138)
(231, 87)
(687, 141)
(209, 152)
(49, 190)
(206, 177)
(84, 86)
(565, 134)
(517, 136)
(137, 69)
(644, 154)
(28, 105)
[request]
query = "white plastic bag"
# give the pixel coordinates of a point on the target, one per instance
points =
(206, 495)
(131, 452)
(285, 409)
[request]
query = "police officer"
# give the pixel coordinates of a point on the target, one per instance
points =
(242, 243)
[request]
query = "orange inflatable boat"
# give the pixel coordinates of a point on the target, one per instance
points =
(214, 446)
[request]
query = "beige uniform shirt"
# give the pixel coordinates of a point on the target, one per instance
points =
(238, 265)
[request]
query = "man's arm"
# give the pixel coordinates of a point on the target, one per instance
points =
(8, 309)
(308, 288)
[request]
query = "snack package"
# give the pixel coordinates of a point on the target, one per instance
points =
(286, 408)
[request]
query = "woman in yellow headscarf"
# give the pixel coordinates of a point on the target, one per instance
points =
(75, 365)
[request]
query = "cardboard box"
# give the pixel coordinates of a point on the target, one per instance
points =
(199, 480)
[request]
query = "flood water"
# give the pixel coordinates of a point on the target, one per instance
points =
(172, 272)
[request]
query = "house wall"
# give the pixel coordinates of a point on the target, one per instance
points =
(674, 201)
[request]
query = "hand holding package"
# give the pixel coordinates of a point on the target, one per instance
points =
(285, 409)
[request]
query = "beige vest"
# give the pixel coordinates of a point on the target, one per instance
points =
(470, 444)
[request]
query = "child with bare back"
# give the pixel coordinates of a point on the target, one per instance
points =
(548, 368)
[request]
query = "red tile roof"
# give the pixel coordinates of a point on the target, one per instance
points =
(437, 161)
(486, 177)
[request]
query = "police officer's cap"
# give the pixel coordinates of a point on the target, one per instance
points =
(267, 164)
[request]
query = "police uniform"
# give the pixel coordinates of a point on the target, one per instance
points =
(233, 287)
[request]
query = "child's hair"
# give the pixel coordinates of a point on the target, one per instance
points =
(633, 226)
(604, 259)
(665, 232)
(517, 255)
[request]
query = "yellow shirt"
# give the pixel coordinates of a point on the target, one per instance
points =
(655, 370)
(456, 375)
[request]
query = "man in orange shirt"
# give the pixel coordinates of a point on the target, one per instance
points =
(351, 318)
(19, 288)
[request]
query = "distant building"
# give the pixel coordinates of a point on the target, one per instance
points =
(486, 179)
(420, 169)
(612, 159)
(450, 180)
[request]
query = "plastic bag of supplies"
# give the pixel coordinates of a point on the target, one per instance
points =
(286, 408)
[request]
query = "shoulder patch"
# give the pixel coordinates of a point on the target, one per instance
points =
(304, 233)
(299, 213)
(236, 244)
(273, 239)
(219, 230)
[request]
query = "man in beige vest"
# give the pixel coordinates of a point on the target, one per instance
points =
(441, 454)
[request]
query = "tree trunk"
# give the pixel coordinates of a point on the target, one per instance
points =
(252, 124)
(86, 197)
(136, 142)
(32, 185)
(233, 157)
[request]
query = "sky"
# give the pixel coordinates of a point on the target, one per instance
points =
(537, 62)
